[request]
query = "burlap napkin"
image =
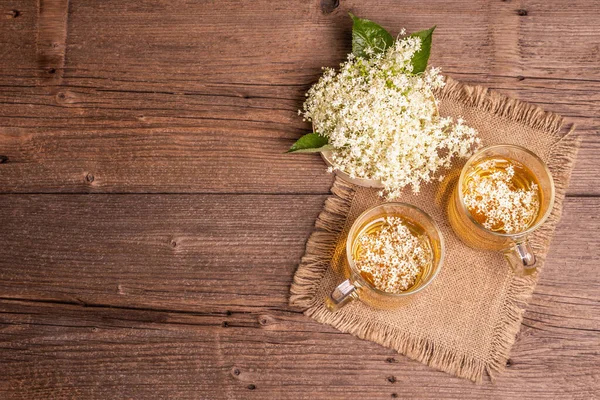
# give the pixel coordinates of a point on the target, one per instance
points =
(465, 322)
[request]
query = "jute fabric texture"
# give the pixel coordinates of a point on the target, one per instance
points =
(466, 321)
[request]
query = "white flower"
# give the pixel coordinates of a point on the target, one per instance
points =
(392, 257)
(491, 195)
(383, 120)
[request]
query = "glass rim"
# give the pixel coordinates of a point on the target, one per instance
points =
(518, 148)
(358, 277)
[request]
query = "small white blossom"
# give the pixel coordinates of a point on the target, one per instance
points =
(392, 257)
(491, 197)
(383, 122)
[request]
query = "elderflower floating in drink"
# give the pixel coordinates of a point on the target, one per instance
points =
(391, 253)
(502, 195)
(378, 114)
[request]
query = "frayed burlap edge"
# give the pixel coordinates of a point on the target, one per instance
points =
(321, 245)
(484, 99)
(562, 156)
(330, 224)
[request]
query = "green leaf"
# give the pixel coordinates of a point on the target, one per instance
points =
(365, 34)
(310, 143)
(419, 60)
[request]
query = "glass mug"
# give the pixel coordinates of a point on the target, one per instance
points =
(514, 246)
(357, 287)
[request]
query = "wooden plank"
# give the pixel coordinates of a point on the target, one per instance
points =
(209, 107)
(201, 160)
(18, 33)
(213, 157)
(480, 37)
(234, 105)
(51, 40)
(173, 160)
(58, 350)
(203, 252)
(188, 252)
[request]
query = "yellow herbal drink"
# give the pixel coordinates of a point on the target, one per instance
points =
(393, 251)
(503, 194)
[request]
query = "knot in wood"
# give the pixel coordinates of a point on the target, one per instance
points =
(89, 178)
(61, 97)
(328, 6)
(522, 12)
(264, 320)
(235, 372)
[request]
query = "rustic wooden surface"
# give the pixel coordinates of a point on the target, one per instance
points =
(150, 225)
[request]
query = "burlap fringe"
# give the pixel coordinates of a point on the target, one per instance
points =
(314, 264)
(562, 156)
(493, 102)
(321, 245)
(331, 221)
(423, 350)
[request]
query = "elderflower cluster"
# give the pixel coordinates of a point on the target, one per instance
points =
(503, 207)
(393, 257)
(382, 120)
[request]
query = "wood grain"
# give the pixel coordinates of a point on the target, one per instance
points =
(150, 224)
(182, 252)
(115, 302)
(199, 252)
(51, 40)
(62, 351)
(140, 77)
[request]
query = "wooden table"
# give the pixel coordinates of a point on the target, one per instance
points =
(150, 224)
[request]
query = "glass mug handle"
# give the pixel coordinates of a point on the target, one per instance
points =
(341, 295)
(521, 258)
